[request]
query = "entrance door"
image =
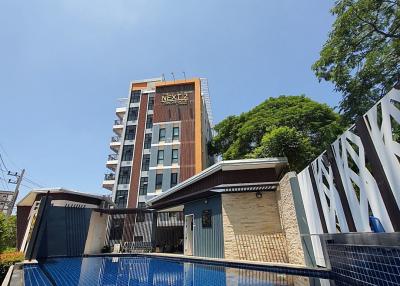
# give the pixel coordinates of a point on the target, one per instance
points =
(188, 235)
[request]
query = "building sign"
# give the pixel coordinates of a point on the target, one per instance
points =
(177, 98)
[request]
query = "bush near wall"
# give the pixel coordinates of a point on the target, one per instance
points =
(7, 259)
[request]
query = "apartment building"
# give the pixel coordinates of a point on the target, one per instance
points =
(161, 135)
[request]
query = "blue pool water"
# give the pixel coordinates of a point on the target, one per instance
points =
(144, 271)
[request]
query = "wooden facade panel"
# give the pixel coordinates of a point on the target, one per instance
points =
(135, 172)
(185, 113)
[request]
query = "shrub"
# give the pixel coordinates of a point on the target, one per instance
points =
(7, 259)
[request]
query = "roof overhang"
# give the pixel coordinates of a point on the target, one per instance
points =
(30, 198)
(277, 163)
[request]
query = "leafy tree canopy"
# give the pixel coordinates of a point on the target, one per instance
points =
(292, 126)
(8, 231)
(361, 55)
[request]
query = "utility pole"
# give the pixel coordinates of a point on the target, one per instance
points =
(16, 191)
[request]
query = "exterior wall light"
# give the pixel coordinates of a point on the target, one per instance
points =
(259, 195)
(206, 201)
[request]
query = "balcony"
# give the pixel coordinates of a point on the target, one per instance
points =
(120, 112)
(112, 161)
(115, 143)
(118, 126)
(109, 180)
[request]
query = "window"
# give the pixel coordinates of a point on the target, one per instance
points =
(160, 157)
(130, 132)
(159, 178)
(135, 96)
(138, 238)
(174, 179)
(121, 198)
(147, 141)
(175, 133)
(124, 175)
(143, 186)
(206, 218)
(146, 162)
(149, 121)
(141, 205)
(133, 113)
(174, 156)
(161, 134)
(127, 153)
(150, 106)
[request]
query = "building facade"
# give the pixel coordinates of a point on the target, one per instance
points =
(6, 198)
(161, 137)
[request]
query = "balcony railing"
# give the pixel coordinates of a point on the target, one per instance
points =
(109, 177)
(112, 157)
(117, 122)
(115, 139)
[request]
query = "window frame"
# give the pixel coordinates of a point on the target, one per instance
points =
(143, 185)
(149, 121)
(135, 111)
(175, 160)
(122, 179)
(159, 181)
(162, 138)
(175, 136)
(160, 161)
(124, 151)
(133, 127)
(147, 141)
(176, 179)
(135, 96)
(146, 162)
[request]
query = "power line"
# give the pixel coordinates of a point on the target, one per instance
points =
(1, 158)
(8, 156)
(33, 182)
(4, 178)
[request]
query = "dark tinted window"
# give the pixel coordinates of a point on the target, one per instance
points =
(124, 175)
(159, 178)
(130, 132)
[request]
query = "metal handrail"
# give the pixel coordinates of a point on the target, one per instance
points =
(112, 157)
(109, 177)
(115, 139)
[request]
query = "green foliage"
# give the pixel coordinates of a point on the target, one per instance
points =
(286, 142)
(282, 125)
(361, 55)
(8, 259)
(8, 231)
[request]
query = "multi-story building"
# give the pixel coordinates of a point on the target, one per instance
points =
(161, 137)
(6, 198)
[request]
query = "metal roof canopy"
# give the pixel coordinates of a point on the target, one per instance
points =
(249, 175)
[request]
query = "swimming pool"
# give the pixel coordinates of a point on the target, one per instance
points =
(144, 271)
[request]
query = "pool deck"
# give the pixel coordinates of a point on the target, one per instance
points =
(248, 264)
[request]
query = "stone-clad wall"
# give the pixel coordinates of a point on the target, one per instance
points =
(288, 217)
(252, 228)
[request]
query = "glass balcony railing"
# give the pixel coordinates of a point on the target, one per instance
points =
(117, 122)
(112, 157)
(109, 177)
(115, 139)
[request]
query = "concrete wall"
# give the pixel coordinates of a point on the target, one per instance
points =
(96, 233)
(252, 228)
(208, 242)
(288, 217)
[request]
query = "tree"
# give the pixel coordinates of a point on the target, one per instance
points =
(8, 231)
(283, 125)
(286, 142)
(361, 55)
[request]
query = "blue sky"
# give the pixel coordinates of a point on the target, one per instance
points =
(64, 64)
